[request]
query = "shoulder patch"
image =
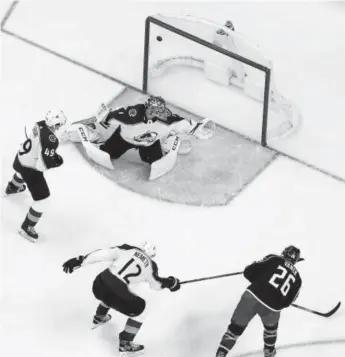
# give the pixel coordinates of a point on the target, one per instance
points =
(52, 138)
(132, 112)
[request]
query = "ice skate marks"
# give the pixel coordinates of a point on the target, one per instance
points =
(132, 354)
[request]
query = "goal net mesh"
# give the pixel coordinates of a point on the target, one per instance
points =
(212, 84)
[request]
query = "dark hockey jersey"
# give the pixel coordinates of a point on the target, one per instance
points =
(38, 151)
(138, 130)
(136, 114)
(275, 282)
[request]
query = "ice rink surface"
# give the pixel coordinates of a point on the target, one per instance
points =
(47, 313)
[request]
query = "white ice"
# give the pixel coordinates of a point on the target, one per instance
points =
(47, 313)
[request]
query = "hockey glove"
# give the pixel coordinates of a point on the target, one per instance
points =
(171, 283)
(58, 160)
(72, 264)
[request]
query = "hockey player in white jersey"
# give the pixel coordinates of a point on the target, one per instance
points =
(129, 265)
(36, 155)
(149, 127)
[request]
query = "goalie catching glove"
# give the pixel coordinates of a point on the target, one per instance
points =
(171, 283)
(204, 129)
(72, 264)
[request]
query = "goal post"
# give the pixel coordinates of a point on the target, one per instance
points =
(200, 31)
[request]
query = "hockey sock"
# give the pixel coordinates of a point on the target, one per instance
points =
(130, 331)
(270, 336)
(101, 310)
(17, 180)
(229, 339)
(32, 218)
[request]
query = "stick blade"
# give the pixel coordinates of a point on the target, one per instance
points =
(333, 311)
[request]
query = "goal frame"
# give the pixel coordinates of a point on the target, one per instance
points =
(267, 71)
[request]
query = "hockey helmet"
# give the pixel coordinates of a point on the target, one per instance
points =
(229, 25)
(148, 248)
(55, 119)
(292, 254)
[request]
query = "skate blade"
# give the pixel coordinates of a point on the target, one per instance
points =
(26, 236)
(100, 324)
(132, 354)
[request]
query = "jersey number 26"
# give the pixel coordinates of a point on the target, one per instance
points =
(282, 280)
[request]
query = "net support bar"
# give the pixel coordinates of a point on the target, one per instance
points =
(265, 108)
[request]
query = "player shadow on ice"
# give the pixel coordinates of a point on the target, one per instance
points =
(206, 331)
(107, 333)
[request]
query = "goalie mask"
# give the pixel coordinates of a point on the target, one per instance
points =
(156, 107)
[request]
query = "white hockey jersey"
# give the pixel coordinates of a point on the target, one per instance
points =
(129, 264)
(38, 151)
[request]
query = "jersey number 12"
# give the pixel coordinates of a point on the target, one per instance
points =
(282, 280)
(127, 276)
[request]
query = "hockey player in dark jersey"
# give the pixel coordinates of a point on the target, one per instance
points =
(36, 155)
(275, 284)
(129, 265)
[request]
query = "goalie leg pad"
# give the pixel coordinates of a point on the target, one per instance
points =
(185, 147)
(73, 133)
(167, 162)
(100, 157)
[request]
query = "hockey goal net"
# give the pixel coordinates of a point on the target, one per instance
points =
(226, 59)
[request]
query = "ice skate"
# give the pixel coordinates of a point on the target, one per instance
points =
(11, 189)
(100, 320)
(269, 352)
(130, 349)
(220, 354)
(29, 233)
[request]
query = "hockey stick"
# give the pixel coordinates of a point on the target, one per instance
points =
(326, 314)
(219, 276)
(210, 277)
